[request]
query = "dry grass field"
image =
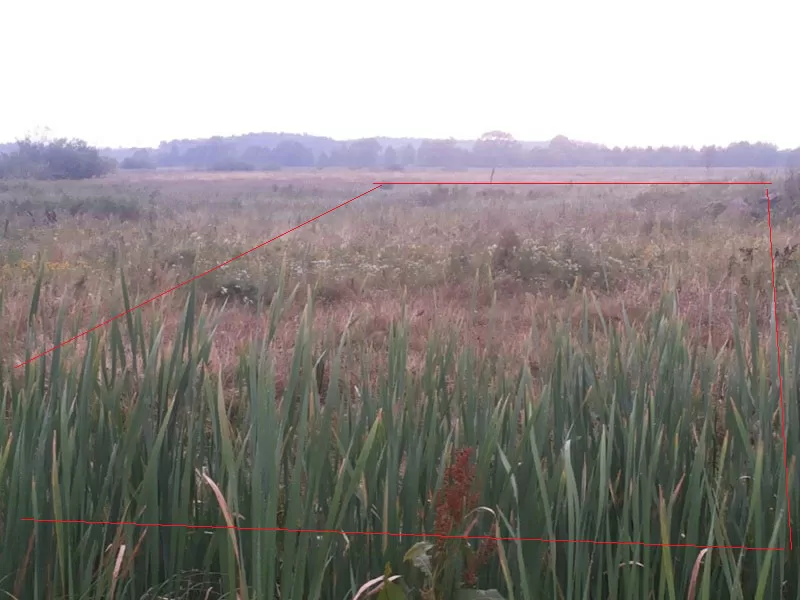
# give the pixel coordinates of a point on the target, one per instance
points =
(485, 263)
(505, 288)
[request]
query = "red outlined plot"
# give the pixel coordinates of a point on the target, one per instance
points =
(379, 184)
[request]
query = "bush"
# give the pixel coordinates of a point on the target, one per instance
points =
(135, 163)
(784, 199)
(231, 165)
(139, 160)
(59, 159)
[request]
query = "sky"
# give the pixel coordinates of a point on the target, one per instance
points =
(617, 72)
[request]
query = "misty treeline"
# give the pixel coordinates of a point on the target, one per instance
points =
(74, 159)
(493, 149)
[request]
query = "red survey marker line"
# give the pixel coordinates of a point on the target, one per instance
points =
(393, 534)
(396, 534)
(572, 183)
(172, 289)
(780, 377)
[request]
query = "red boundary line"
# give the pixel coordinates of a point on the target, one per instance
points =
(391, 534)
(780, 377)
(378, 184)
(572, 183)
(172, 289)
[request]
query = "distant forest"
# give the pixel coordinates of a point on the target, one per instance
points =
(270, 151)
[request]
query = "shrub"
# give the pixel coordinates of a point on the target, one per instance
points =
(134, 163)
(59, 159)
(505, 250)
(139, 160)
(106, 207)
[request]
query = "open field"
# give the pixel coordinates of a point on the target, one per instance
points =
(606, 355)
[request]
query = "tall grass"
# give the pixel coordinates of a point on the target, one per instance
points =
(128, 470)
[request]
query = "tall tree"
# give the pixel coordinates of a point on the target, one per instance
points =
(364, 153)
(441, 153)
(496, 149)
(408, 156)
(290, 153)
(390, 158)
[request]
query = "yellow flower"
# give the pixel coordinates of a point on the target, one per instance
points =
(651, 251)
(58, 266)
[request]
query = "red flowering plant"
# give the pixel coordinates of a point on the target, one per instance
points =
(451, 562)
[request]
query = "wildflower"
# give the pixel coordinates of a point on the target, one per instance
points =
(486, 549)
(456, 495)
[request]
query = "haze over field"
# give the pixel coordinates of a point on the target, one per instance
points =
(232, 366)
(618, 72)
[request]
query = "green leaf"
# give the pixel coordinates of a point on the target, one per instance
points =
(416, 551)
(391, 591)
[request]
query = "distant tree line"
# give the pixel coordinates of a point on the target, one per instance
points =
(493, 149)
(74, 159)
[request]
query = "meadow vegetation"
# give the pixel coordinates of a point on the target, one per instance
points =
(525, 364)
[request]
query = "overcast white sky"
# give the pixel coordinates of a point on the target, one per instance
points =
(619, 72)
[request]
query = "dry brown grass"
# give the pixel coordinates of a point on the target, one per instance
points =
(535, 251)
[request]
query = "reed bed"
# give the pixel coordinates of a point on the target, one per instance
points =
(128, 470)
